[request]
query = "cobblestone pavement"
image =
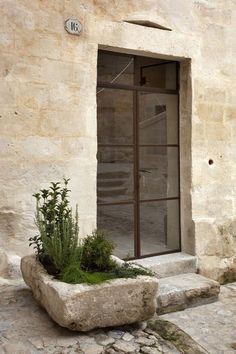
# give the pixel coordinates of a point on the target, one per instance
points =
(214, 325)
(25, 328)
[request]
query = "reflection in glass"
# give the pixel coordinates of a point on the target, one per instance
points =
(118, 222)
(115, 174)
(117, 69)
(158, 118)
(160, 75)
(158, 172)
(138, 128)
(159, 226)
(115, 116)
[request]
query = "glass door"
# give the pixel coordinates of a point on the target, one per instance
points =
(138, 154)
(158, 172)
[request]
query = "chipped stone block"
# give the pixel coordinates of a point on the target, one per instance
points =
(185, 290)
(222, 270)
(82, 307)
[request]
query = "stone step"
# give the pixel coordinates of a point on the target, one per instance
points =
(169, 264)
(185, 290)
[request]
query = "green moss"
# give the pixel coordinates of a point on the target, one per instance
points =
(181, 340)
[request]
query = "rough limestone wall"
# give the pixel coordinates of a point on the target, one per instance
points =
(214, 122)
(48, 115)
(48, 111)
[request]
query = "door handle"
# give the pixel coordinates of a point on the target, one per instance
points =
(145, 171)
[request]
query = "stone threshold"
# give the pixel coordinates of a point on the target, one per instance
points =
(169, 264)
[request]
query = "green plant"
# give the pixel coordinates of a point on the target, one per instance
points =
(56, 243)
(127, 270)
(73, 274)
(97, 251)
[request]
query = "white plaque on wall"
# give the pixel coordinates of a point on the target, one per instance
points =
(73, 26)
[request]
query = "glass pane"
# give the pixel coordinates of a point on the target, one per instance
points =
(115, 174)
(115, 116)
(158, 172)
(114, 68)
(159, 75)
(118, 222)
(158, 118)
(159, 226)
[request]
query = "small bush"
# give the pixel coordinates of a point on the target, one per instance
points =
(97, 251)
(57, 247)
(56, 244)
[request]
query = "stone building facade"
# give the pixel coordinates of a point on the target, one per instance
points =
(48, 111)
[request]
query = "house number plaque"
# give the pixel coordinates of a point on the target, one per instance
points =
(73, 26)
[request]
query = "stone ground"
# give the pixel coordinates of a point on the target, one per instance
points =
(25, 328)
(213, 326)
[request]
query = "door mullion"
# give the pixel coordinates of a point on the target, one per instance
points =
(136, 164)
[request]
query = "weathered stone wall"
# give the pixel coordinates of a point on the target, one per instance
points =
(48, 110)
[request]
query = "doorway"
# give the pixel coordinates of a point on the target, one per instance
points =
(138, 194)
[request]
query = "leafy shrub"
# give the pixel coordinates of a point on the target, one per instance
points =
(57, 247)
(97, 251)
(56, 244)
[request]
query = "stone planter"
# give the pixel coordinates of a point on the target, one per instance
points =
(83, 307)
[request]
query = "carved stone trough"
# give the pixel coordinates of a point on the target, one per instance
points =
(82, 307)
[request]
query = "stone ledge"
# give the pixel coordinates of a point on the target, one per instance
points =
(169, 264)
(185, 290)
(82, 307)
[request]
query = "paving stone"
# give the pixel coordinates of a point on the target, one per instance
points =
(91, 348)
(66, 341)
(125, 346)
(17, 348)
(145, 341)
(104, 340)
(116, 334)
(127, 337)
(37, 342)
(149, 350)
(152, 337)
(48, 341)
(166, 349)
(110, 351)
(139, 333)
